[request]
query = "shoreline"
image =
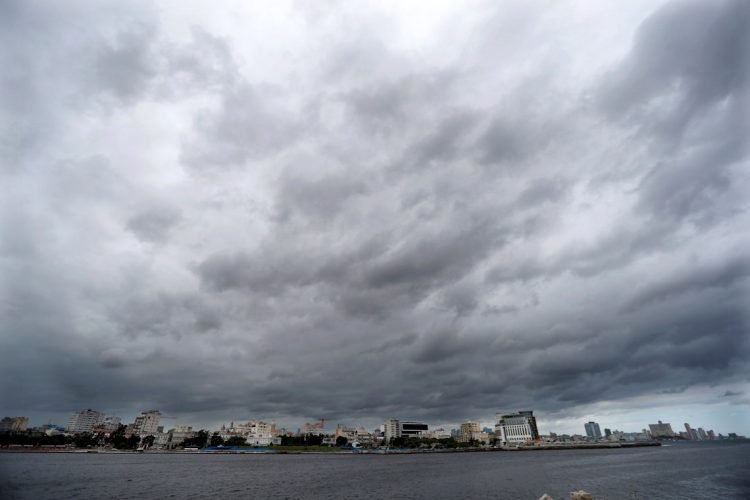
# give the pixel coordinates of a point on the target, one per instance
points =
(582, 446)
(406, 451)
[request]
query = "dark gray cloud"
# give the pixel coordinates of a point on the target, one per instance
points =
(250, 122)
(359, 219)
(126, 67)
(693, 53)
(153, 224)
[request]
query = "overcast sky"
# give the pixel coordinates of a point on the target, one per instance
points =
(427, 210)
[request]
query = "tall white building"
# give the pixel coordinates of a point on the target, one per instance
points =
(516, 428)
(84, 421)
(391, 429)
(147, 422)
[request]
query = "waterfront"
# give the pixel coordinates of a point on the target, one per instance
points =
(679, 470)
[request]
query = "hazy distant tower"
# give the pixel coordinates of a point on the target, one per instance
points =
(592, 430)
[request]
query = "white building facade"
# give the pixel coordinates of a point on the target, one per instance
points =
(84, 421)
(439, 434)
(147, 423)
(391, 429)
(255, 432)
(516, 428)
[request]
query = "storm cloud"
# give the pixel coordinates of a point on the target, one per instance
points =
(434, 212)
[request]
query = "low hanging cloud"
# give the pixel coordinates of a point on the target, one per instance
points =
(369, 218)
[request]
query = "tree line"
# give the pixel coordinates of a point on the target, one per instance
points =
(117, 439)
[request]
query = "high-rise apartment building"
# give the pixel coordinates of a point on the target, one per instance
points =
(469, 431)
(688, 431)
(391, 429)
(592, 430)
(84, 421)
(147, 422)
(661, 430)
(516, 427)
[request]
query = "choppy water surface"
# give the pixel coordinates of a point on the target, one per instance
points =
(684, 470)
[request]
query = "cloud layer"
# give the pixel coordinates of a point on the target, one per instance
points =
(430, 212)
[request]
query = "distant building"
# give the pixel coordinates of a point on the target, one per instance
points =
(161, 440)
(354, 436)
(516, 427)
(688, 431)
(607, 432)
(661, 430)
(391, 429)
(643, 436)
(395, 428)
(702, 434)
(255, 432)
(84, 421)
(317, 428)
(147, 423)
(109, 424)
(51, 429)
(469, 431)
(174, 438)
(439, 434)
(179, 434)
(14, 424)
(592, 430)
(255, 427)
(629, 436)
(711, 435)
(413, 429)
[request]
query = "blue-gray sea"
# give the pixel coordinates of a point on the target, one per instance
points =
(682, 470)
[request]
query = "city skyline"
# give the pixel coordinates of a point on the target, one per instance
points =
(176, 421)
(90, 428)
(430, 210)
